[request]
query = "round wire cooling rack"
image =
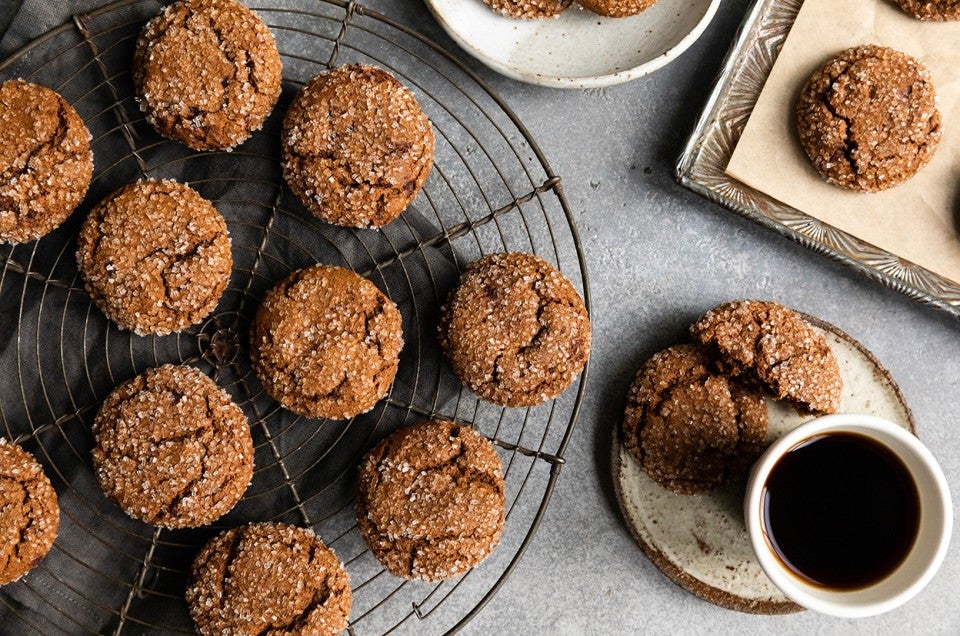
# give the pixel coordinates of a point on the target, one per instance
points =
(491, 189)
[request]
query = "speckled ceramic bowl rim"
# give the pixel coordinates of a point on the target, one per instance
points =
(596, 81)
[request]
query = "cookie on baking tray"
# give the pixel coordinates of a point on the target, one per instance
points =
(931, 9)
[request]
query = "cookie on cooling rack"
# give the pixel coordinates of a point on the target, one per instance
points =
(690, 428)
(868, 119)
(29, 513)
(268, 578)
(155, 256)
(529, 9)
(515, 330)
(357, 148)
(45, 161)
(931, 9)
(772, 345)
(430, 500)
(617, 8)
(325, 342)
(207, 73)
(172, 449)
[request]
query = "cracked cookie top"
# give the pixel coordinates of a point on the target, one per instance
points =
(172, 449)
(268, 578)
(207, 73)
(430, 500)
(515, 330)
(357, 148)
(325, 342)
(45, 161)
(868, 119)
(529, 9)
(155, 256)
(932, 9)
(770, 344)
(29, 514)
(690, 428)
(617, 8)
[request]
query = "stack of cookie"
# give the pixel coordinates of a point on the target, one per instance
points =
(540, 9)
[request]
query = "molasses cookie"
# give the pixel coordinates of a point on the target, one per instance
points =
(357, 148)
(430, 500)
(325, 342)
(515, 330)
(207, 73)
(155, 256)
(172, 449)
(690, 428)
(29, 514)
(617, 8)
(45, 161)
(529, 9)
(931, 9)
(268, 578)
(868, 119)
(766, 342)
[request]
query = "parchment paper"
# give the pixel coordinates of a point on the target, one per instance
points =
(917, 220)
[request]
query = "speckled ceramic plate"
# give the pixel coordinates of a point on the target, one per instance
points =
(577, 49)
(700, 541)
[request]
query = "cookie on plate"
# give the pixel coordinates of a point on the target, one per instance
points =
(45, 161)
(155, 256)
(691, 428)
(529, 9)
(430, 500)
(515, 330)
(868, 119)
(325, 342)
(268, 578)
(931, 9)
(29, 513)
(357, 148)
(171, 448)
(207, 73)
(773, 345)
(617, 8)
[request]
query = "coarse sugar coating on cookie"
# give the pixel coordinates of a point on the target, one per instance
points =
(29, 513)
(207, 73)
(357, 147)
(173, 449)
(932, 9)
(529, 9)
(45, 161)
(155, 256)
(769, 343)
(515, 330)
(692, 429)
(325, 342)
(868, 119)
(430, 500)
(617, 8)
(268, 578)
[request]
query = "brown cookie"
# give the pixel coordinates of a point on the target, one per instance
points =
(617, 8)
(29, 513)
(692, 429)
(515, 330)
(529, 9)
(268, 578)
(172, 449)
(207, 73)
(326, 342)
(45, 161)
(430, 500)
(770, 344)
(868, 119)
(155, 256)
(931, 9)
(357, 148)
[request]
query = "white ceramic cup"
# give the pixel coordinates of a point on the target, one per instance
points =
(920, 564)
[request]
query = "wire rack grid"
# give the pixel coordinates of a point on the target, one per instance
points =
(491, 190)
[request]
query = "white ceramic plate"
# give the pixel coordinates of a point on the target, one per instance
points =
(577, 49)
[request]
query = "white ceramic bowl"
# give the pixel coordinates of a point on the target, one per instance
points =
(577, 49)
(921, 563)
